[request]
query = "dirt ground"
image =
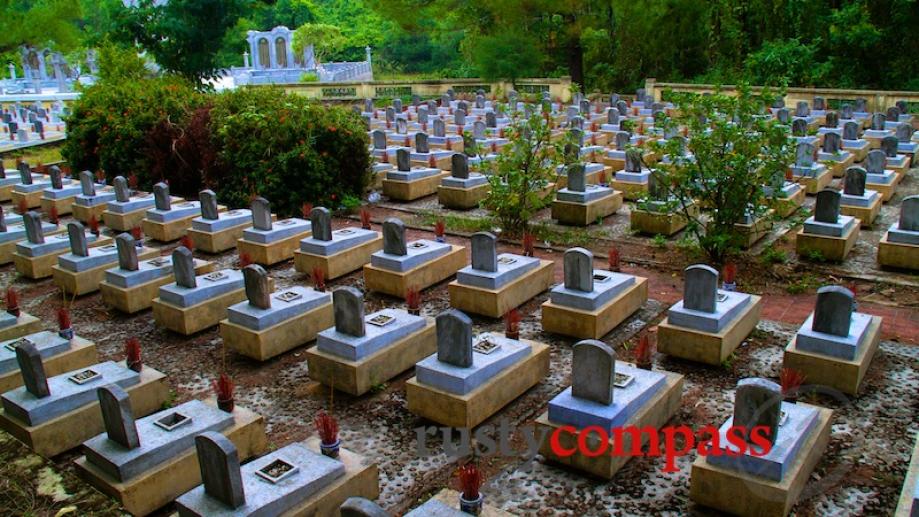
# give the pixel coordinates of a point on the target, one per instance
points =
(861, 473)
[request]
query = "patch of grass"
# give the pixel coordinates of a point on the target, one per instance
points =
(775, 256)
(659, 241)
(814, 256)
(803, 284)
(568, 237)
(48, 153)
(377, 388)
(458, 222)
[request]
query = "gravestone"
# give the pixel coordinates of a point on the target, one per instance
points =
(833, 312)
(819, 103)
(57, 179)
(484, 252)
(903, 106)
(878, 121)
(850, 130)
(208, 199)
(831, 143)
(360, 507)
(480, 101)
(127, 252)
(459, 166)
(258, 290)
(778, 103)
(421, 143)
(577, 122)
(804, 154)
(118, 416)
(875, 161)
(459, 117)
(827, 206)
(403, 160)
(368, 105)
(463, 105)
(423, 115)
(348, 304)
(656, 188)
(633, 160)
(579, 270)
(782, 115)
(183, 267)
(34, 231)
(571, 152)
(577, 177)
(802, 109)
(32, 370)
(416, 99)
(122, 192)
(584, 106)
(758, 402)
(799, 127)
(379, 139)
(847, 111)
(909, 214)
(700, 293)
(440, 128)
(491, 120)
(220, 473)
(889, 145)
(77, 236)
(321, 223)
(832, 119)
(394, 236)
(893, 114)
(593, 371)
(25, 173)
(390, 114)
(861, 104)
(261, 214)
(454, 338)
(478, 130)
(87, 183)
(612, 117)
(854, 184)
(622, 140)
(401, 126)
(904, 132)
(161, 196)
(623, 107)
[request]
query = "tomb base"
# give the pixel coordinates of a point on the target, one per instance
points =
(592, 178)
(654, 413)
(476, 406)
(167, 232)
(900, 168)
(630, 190)
(886, 190)
(412, 190)
(461, 198)
(217, 242)
(6, 192)
(789, 205)
(189, 320)
(707, 347)
(63, 205)
(143, 494)
(740, 494)
(42, 266)
(361, 479)
(812, 185)
(838, 168)
(905, 503)
(32, 199)
(338, 264)
(123, 222)
(359, 377)
(82, 353)
(271, 253)
(444, 163)
(581, 324)
(753, 232)
(450, 498)
(8, 248)
(396, 283)
(865, 214)
(141, 296)
(897, 254)
(264, 344)
(834, 249)
(841, 374)
(584, 214)
(84, 282)
(660, 223)
(85, 213)
(494, 303)
(25, 324)
(71, 429)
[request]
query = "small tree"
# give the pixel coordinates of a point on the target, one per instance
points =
(521, 173)
(736, 150)
(325, 39)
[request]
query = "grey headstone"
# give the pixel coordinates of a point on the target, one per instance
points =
(491, 120)
(403, 160)
(827, 206)
(127, 252)
(32, 370)
(584, 106)
(257, 289)
(909, 214)
(208, 199)
(57, 177)
(401, 126)
(799, 127)
(87, 183)
(903, 106)
(656, 188)
(484, 251)
(831, 119)
(34, 231)
(778, 103)
(397, 105)
(846, 111)
(478, 130)
(480, 101)
(576, 122)
(423, 115)
(183, 267)
(622, 140)
(440, 129)
(261, 214)
(571, 152)
(579, 270)
(633, 160)
(876, 161)
(623, 107)
(348, 304)
(612, 116)
(25, 173)
(889, 145)
(850, 130)
(819, 103)
(758, 402)
(593, 371)
(459, 166)
(802, 109)
(118, 416)
(122, 192)
(454, 338)
(77, 235)
(394, 236)
(421, 142)
(577, 177)
(904, 132)
(804, 154)
(833, 312)
(854, 184)
(321, 223)
(893, 113)
(878, 121)
(700, 291)
(161, 196)
(416, 99)
(782, 115)
(379, 139)
(360, 507)
(861, 104)
(831, 143)
(459, 117)
(368, 105)
(220, 473)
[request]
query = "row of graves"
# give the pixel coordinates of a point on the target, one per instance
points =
(871, 152)
(24, 125)
(57, 397)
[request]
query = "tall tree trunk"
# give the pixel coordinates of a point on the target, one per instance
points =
(576, 62)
